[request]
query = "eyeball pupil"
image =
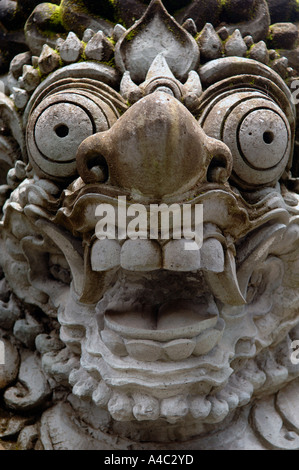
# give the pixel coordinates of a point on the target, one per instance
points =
(61, 130)
(268, 137)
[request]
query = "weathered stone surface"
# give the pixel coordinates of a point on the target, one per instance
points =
(30, 78)
(70, 51)
(283, 35)
(21, 97)
(16, 65)
(26, 330)
(145, 339)
(99, 48)
(31, 390)
(259, 52)
(209, 43)
(235, 46)
(280, 66)
(48, 60)
(158, 30)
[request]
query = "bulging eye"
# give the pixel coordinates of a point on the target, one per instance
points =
(57, 126)
(257, 132)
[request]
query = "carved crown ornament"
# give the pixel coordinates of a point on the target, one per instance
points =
(138, 343)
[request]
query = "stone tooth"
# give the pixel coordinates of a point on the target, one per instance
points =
(76, 375)
(101, 395)
(276, 374)
(245, 348)
(84, 388)
(88, 35)
(118, 32)
(177, 258)
(174, 408)
(212, 256)
(143, 350)
(200, 407)
(242, 388)
(105, 254)
(145, 407)
(219, 410)
(59, 43)
(179, 349)
(209, 43)
(99, 48)
(190, 26)
(252, 373)
(259, 52)
(30, 78)
(230, 397)
(120, 407)
(141, 255)
(114, 342)
(71, 49)
(235, 45)
(208, 339)
(48, 60)
(20, 97)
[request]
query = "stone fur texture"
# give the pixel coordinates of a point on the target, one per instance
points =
(138, 344)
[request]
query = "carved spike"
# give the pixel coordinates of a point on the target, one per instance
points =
(209, 43)
(48, 60)
(128, 89)
(159, 68)
(190, 26)
(193, 84)
(235, 45)
(99, 48)
(71, 49)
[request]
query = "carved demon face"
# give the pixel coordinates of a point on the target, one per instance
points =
(168, 338)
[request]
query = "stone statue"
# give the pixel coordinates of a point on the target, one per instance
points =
(138, 343)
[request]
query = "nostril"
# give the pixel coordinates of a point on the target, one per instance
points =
(98, 168)
(92, 165)
(218, 171)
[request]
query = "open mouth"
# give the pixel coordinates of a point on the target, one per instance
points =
(150, 330)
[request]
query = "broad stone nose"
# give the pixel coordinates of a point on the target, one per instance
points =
(157, 149)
